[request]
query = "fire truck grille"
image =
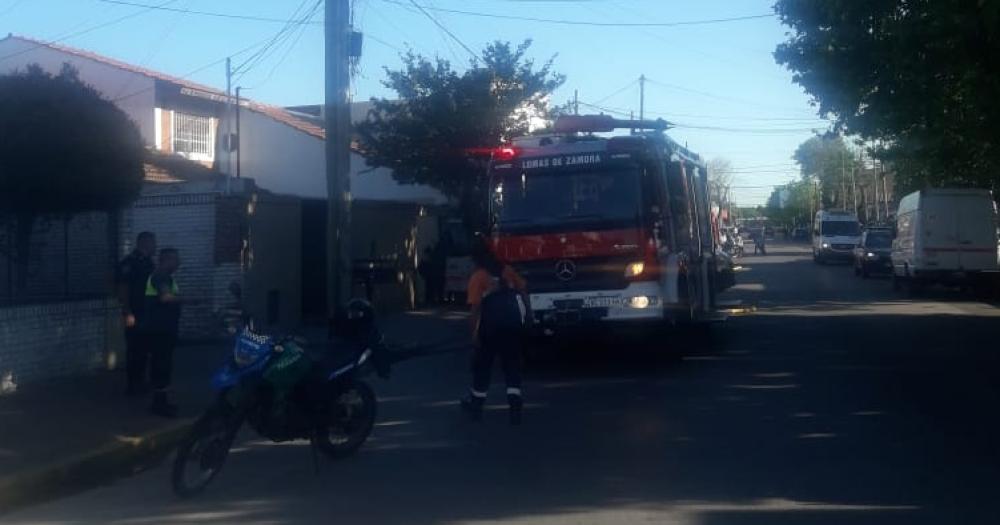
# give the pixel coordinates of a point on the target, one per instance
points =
(574, 275)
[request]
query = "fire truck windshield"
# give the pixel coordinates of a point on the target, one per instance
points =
(566, 200)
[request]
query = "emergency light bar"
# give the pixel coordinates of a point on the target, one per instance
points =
(603, 123)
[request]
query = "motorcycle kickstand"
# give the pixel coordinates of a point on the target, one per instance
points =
(315, 455)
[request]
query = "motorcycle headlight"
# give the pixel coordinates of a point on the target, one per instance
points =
(826, 245)
(871, 255)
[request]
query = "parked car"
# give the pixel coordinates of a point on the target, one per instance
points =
(873, 254)
(946, 236)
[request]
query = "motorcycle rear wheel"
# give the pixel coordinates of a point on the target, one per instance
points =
(202, 454)
(351, 418)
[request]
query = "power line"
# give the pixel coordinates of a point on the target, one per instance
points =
(277, 40)
(630, 84)
(207, 13)
(745, 130)
(298, 36)
(385, 43)
(624, 113)
(711, 95)
(606, 109)
(442, 27)
(198, 70)
(84, 31)
(591, 23)
(11, 7)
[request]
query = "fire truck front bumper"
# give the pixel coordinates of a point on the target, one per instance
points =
(640, 301)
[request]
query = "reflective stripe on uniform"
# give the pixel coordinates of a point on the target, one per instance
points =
(153, 292)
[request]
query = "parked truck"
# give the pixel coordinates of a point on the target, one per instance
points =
(946, 236)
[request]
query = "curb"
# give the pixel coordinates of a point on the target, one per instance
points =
(124, 456)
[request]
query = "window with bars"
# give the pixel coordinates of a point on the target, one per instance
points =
(193, 136)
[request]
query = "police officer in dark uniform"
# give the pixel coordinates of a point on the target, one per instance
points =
(163, 314)
(132, 273)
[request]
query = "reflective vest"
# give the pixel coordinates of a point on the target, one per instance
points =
(153, 292)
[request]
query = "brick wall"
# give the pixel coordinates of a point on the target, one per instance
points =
(186, 222)
(81, 249)
(55, 339)
(206, 228)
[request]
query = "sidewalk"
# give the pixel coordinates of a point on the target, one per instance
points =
(63, 436)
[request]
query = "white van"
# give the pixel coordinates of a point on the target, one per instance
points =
(945, 235)
(835, 234)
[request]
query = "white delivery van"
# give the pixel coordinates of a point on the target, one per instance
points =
(835, 234)
(947, 236)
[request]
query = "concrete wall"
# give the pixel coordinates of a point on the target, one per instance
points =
(135, 92)
(284, 160)
(49, 340)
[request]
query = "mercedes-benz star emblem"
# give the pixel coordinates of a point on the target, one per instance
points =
(565, 270)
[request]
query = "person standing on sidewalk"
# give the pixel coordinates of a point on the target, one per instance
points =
(163, 313)
(132, 273)
(501, 310)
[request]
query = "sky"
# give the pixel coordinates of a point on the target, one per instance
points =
(718, 81)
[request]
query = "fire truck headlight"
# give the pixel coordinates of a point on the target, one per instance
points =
(640, 301)
(635, 269)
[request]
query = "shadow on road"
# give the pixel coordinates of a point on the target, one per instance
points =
(814, 411)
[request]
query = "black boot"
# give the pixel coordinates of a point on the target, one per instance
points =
(473, 407)
(161, 406)
(515, 403)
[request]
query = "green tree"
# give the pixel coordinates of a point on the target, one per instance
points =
(919, 77)
(799, 202)
(440, 114)
(829, 161)
(63, 150)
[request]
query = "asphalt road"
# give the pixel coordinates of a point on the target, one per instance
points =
(838, 401)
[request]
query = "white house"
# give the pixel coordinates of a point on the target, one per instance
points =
(281, 192)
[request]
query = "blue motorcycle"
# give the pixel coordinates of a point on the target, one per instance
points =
(285, 391)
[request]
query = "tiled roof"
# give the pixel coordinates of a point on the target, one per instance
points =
(273, 112)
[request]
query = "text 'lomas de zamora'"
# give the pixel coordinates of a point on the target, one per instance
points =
(565, 160)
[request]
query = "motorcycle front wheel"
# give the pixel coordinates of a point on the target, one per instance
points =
(350, 421)
(203, 452)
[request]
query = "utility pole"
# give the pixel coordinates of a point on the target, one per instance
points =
(854, 181)
(642, 96)
(875, 187)
(843, 182)
(227, 143)
(238, 88)
(576, 102)
(885, 191)
(854, 188)
(338, 163)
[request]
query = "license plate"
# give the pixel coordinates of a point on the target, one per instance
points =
(568, 304)
(601, 302)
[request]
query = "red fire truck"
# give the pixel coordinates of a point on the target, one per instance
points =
(609, 231)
